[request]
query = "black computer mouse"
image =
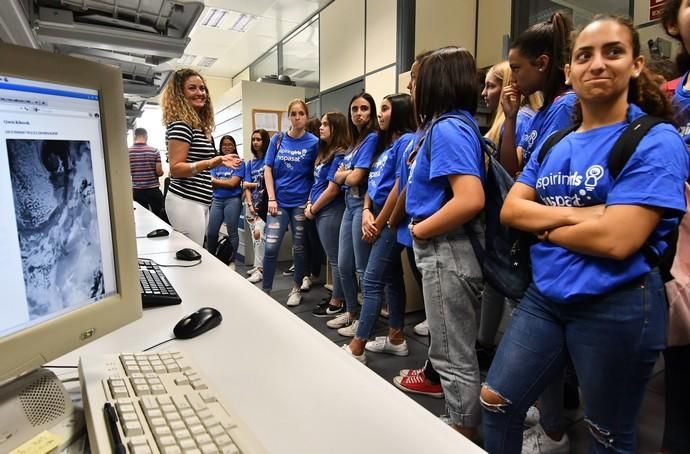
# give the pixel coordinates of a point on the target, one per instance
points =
(197, 323)
(156, 233)
(187, 254)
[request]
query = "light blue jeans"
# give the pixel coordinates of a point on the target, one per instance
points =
(452, 285)
(353, 252)
(228, 211)
(328, 222)
(275, 231)
(383, 270)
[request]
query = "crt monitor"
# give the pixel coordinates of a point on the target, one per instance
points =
(68, 263)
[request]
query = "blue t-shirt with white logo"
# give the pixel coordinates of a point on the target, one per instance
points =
(225, 173)
(575, 173)
(383, 171)
(360, 156)
(454, 150)
(558, 115)
(293, 166)
(254, 168)
(681, 102)
(402, 173)
(324, 173)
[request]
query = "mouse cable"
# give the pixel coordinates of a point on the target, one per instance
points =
(159, 343)
(170, 265)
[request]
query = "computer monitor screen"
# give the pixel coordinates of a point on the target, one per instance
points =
(68, 263)
(59, 251)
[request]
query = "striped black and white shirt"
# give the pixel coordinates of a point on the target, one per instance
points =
(197, 187)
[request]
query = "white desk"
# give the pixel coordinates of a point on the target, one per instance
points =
(294, 388)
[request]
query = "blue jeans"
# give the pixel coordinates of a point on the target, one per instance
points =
(328, 222)
(275, 231)
(383, 270)
(353, 252)
(228, 211)
(613, 341)
(452, 285)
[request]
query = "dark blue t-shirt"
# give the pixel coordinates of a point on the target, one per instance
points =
(383, 171)
(293, 167)
(558, 115)
(575, 173)
(402, 174)
(360, 156)
(254, 168)
(455, 150)
(323, 174)
(225, 173)
(681, 101)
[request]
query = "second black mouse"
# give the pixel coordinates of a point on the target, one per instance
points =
(197, 323)
(156, 233)
(187, 254)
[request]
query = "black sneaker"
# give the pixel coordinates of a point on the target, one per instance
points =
(327, 310)
(290, 271)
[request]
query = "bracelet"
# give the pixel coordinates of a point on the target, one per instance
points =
(194, 169)
(546, 235)
(210, 164)
(310, 210)
(271, 200)
(366, 208)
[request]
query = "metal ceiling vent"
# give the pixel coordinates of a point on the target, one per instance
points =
(280, 79)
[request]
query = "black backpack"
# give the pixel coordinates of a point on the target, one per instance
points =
(259, 194)
(504, 257)
(621, 152)
(224, 250)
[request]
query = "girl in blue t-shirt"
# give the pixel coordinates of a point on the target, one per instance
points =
(255, 168)
(325, 204)
(227, 201)
(444, 197)
(353, 251)
(289, 173)
(676, 438)
(536, 59)
(384, 268)
(595, 296)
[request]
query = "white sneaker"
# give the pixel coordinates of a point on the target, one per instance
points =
(294, 298)
(252, 270)
(383, 345)
(306, 284)
(350, 330)
(535, 441)
(422, 329)
(339, 321)
(257, 276)
(532, 417)
(231, 265)
(361, 358)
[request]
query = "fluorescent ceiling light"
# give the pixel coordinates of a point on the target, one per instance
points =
(206, 62)
(213, 17)
(242, 23)
(186, 59)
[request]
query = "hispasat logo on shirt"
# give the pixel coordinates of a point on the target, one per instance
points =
(684, 130)
(566, 184)
(289, 156)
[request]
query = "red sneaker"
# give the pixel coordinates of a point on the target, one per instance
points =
(418, 384)
(411, 372)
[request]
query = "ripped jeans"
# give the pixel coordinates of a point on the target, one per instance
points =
(613, 340)
(274, 233)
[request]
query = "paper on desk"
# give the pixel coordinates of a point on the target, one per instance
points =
(40, 444)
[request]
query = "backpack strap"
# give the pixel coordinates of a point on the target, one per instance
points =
(628, 141)
(552, 140)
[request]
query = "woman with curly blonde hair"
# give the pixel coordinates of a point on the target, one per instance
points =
(188, 116)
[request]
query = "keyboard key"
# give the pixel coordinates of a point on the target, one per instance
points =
(209, 448)
(176, 426)
(182, 434)
(132, 428)
(187, 444)
(172, 450)
(166, 440)
(197, 430)
(230, 449)
(215, 431)
(161, 431)
(223, 440)
(202, 439)
(158, 422)
(207, 397)
(148, 403)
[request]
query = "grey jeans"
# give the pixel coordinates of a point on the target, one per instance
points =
(452, 285)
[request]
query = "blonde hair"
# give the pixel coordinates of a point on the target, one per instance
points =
(177, 108)
(503, 73)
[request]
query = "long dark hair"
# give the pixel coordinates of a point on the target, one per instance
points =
(446, 80)
(340, 138)
(645, 90)
(265, 139)
(550, 38)
(373, 124)
(669, 18)
(401, 121)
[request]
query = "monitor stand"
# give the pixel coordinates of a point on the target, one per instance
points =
(37, 402)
